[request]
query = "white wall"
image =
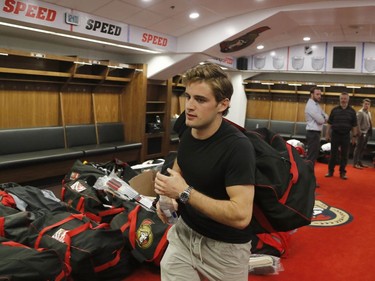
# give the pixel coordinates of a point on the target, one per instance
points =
(237, 111)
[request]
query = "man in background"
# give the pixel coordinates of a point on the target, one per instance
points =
(364, 132)
(315, 118)
(341, 122)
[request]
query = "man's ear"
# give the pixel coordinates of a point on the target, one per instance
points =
(223, 105)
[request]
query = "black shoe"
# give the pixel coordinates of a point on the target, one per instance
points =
(329, 175)
(343, 177)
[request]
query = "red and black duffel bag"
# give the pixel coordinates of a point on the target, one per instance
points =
(89, 201)
(19, 262)
(94, 252)
(144, 231)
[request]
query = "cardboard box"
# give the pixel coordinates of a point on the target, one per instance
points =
(144, 183)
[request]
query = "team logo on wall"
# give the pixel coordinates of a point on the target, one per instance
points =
(326, 216)
(242, 41)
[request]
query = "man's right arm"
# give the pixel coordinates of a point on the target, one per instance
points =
(319, 116)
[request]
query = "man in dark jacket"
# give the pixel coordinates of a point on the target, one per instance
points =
(341, 122)
(364, 132)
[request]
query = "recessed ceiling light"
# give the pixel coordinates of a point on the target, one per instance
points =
(306, 38)
(260, 47)
(194, 15)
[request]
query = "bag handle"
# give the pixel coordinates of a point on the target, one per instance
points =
(263, 221)
(2, 227)
(110, 263)
(47, 228)
(293, 172)
(112, 211)
(68, 239)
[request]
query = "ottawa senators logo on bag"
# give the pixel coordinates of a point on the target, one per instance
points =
(145, 237)
(326, 216)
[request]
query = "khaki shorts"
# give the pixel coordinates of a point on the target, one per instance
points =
(190, 256)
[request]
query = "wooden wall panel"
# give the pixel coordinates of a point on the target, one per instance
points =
(133, 102)
(302, 100)
(283, 110)
(258, 107)
(300, 112)
(175, 105)
(287, 102)
(77, 105)
(182, 101)
(29, 105)
(284, 107)
(107, 107)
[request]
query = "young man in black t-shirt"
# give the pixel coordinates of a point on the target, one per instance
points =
(213, 182)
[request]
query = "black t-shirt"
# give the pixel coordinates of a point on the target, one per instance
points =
(225, 159)
(342, 120)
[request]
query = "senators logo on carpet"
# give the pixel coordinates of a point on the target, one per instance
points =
(327, 216)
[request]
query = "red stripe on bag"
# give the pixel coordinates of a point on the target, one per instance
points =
(63, 190)
(112, 211)
(93, 217)
(277, 240)
(81, 205)
(132, 218)
(68, 240)
(110, 263)
(2, 230)
(161, 247)
(293, 171)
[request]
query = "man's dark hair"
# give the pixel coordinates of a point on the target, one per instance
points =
(215, 77)
(312, 89)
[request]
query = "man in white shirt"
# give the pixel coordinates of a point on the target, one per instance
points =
(315, 118)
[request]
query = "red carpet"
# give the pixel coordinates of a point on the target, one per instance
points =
(335, 253)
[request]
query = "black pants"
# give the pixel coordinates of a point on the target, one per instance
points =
(313, 145)
(339, 147)
(359, 148)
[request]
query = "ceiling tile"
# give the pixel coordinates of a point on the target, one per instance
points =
(171, 26)
(117, 10)
(87, 6)
(142, 3)
(145, 19)
(170, 8)
(206, 17)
